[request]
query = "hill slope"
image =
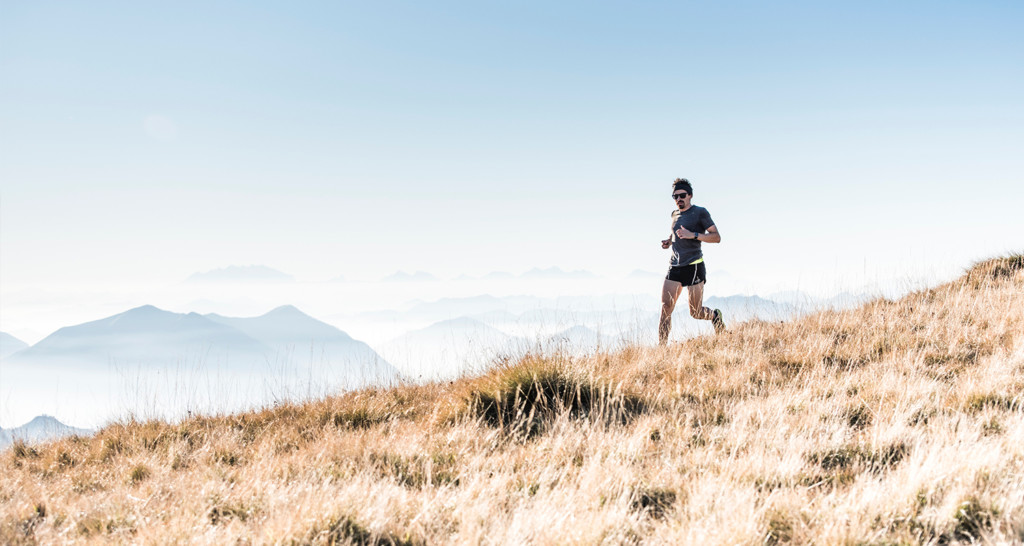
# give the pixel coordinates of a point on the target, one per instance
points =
(10, 345)
(296, 337)
(896, 422)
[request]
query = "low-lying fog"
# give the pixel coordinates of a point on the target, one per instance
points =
(425, 329)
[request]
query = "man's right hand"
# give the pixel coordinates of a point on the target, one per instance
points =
(666, 243)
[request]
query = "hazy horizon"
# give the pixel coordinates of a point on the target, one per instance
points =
(32, 311)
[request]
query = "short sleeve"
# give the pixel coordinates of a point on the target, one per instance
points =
(706, 221)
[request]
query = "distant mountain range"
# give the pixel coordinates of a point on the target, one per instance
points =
(746, 307)
(247, 274)
(39, 429)
(150, 336)
(616, 316)
(10, 345)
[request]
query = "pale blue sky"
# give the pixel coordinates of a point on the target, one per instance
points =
(145, 142)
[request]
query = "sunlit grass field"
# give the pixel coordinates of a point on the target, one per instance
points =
(898, 422)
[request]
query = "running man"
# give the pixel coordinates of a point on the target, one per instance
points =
(691, 226)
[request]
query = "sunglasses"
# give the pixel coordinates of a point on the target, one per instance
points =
(678, 196)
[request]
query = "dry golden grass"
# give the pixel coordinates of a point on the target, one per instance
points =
(900, 422)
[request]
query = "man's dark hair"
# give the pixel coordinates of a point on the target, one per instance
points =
(682, 184)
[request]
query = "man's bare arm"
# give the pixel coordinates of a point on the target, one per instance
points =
(712, 236)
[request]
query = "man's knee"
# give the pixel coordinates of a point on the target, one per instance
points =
(695, 312)
(668, 304)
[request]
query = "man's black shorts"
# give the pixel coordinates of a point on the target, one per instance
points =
(689, 275)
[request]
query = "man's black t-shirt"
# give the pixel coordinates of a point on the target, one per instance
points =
(695, 219)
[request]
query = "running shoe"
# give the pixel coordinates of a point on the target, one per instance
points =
(718, 322)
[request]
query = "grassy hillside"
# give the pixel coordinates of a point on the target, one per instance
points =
(897, 422)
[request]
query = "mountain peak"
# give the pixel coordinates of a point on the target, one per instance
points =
(145, 309)
(285, 311)
(45, 420)
(142, 312)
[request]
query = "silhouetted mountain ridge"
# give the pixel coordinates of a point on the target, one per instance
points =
(148, 335)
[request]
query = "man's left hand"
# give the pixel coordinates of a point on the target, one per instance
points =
(682, 233)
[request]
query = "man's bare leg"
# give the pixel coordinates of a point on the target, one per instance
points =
(697, 309)
(669, 294)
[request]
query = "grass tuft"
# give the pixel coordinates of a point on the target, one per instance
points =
(139, 473)
(973, 520)
(227, 457)
(112, 447)
(21, 450)
(22, 531)
(859, 458)
(221, 510)
(779, 528)
(525, 397)
(652, 501)
(346, 530)
(417, 471)
(981, 401)
(858, 417)
(358, 418)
